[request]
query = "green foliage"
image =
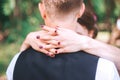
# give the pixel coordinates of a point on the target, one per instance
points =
(105, 9)
(99, 7)
(117, 9)
(7, 51)
(2, 67)
(8, 7)
(19, 17)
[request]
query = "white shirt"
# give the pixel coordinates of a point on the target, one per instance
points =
(118, 24)
(106, 70)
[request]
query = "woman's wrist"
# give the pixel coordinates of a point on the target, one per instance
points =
(24, 46)
(83, 42)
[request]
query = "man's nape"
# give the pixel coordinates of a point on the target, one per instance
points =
(56, 14)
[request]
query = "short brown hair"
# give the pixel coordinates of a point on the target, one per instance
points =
(62, 6)
(88, 20)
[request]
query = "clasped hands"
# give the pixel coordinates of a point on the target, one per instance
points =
(52, 41)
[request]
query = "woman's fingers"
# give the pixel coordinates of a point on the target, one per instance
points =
(50, 30)
(53, 51)
(46, 37)
(50, 46)
(61, 50)
(42, 48)
(53, 42)
(46, 28)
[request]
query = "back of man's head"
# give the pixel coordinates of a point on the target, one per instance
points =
(61, 7)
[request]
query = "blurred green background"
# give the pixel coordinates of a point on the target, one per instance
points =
(19, 17)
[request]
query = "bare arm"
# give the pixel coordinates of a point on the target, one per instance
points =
(74, 42)
(104, 50)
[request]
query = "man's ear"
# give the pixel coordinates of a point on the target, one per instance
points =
(82, 9)
(42, 10)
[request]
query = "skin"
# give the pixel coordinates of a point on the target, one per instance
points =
(54, 36)
(67, 44)
(104, 50)
(59, 41)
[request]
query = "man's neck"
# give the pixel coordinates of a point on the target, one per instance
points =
(69, 25)
(65, 23)
(68, 21)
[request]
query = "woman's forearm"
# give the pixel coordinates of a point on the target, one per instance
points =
(104, 50)
(24, 46)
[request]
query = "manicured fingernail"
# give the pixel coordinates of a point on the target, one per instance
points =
(55, 31)
(42, 26)
(56, 51)
(47, 54)
(38, 37)
(40, 47)
(58, 43)
(52, 55)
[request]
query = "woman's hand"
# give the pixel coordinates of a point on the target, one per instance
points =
(66, 40)
(53, 41)
(39, 41)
